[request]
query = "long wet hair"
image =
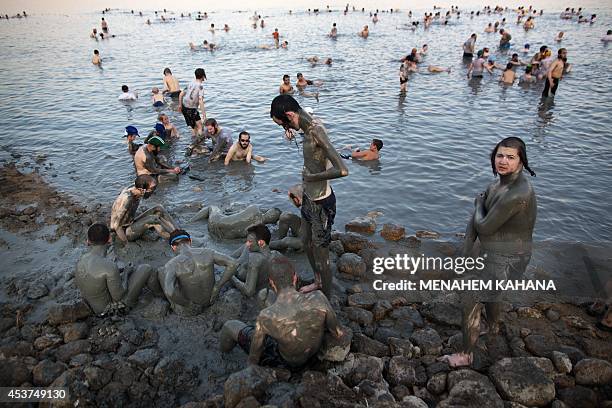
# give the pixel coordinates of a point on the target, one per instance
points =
(518, 144)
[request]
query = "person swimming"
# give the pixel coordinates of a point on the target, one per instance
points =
(157, 98)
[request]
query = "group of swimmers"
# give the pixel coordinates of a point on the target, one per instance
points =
(295, 315)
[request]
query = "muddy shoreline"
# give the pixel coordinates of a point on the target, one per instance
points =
(153, 357)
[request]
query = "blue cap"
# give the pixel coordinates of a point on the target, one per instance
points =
(130, 130)
(159, 128)
(526, 45)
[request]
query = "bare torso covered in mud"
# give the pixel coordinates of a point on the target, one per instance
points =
(317, 153)
(99, 280)
(297, 322)
(188, 280)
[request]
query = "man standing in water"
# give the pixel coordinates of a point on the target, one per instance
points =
(188, 279)
(503, 221)
(171, 84)
(99, 280)
(290, 331)
(321, 164)
(554, 74)
(190, 100)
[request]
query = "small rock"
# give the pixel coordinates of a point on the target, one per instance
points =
(45, 372)
(157, 309)
(562, 362)
(80, 360)
(359, 315)
(525, 332)
(336, 349)
(408, 314)
(352, 265)
(14, 372)
(6, 323)
(30, 210)
(364, 300)
(252, 381)
(336, 247)
(578, 396)
(97, 377)
(519, 380)
(552, 315)
(428, 340)
(472, 394)
(353, 242)
(529, 312)
(67, 313)
(362, 225)
(74, 331)
(392, 232)
(413, 402)
(249, 402)
(559, 404)
(441, 312)
(437, 383)
(365, 345)
(427, 234)
(46, 341)
(145, 358)
(67, 351)
(37, 290)
(406, 371)
(381, 309)
(401, 347)
(541, 346)
(593, 371)
(564, 381)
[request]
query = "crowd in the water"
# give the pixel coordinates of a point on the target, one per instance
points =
(295, 314)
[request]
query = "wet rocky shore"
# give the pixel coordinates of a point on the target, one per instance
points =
(546, 355)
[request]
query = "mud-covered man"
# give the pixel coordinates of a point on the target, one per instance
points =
(130, 227)
(148, 162)
(289, 332)
(254, 261)
(188, 279)
(503, 221)
(101, 284)
(321, 164)
(232, 224)
(291, 227)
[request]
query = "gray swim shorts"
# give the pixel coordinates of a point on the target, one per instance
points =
(320, 215)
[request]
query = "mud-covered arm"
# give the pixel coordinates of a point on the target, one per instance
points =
(338, 170)
(257, 343)
(114, 282)
(218, 148)
(470, 237)
(488, 222)
(249, 287)
(230, 270)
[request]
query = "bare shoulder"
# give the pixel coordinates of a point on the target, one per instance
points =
(317, 300)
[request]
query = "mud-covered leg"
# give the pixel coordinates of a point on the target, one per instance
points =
(229, 334)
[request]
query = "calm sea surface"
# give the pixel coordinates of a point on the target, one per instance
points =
(437, 139)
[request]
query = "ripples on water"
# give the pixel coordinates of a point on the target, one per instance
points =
(437, 139)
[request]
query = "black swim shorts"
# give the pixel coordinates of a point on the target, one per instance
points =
(191, 116)
(320, 215)
(270, 356)
(174, 94)
(403, 81)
